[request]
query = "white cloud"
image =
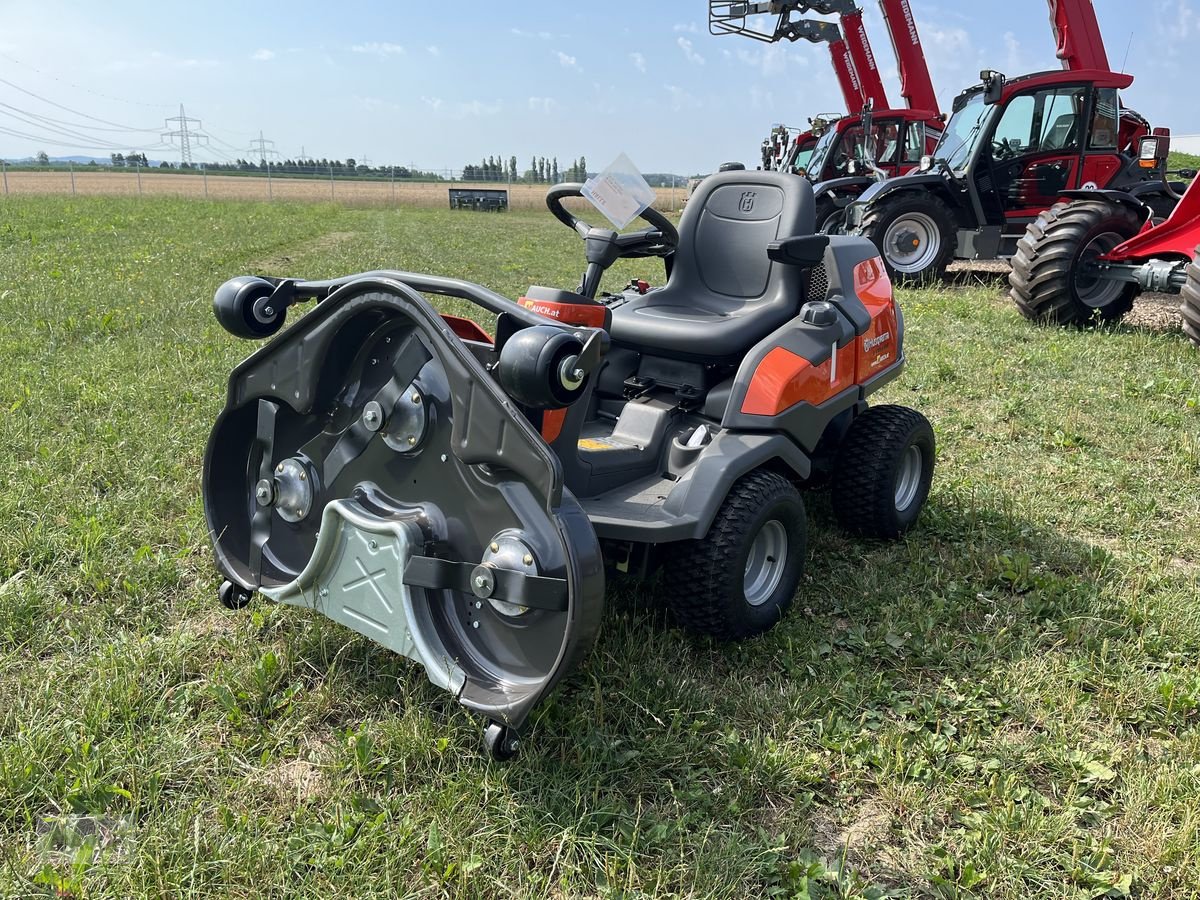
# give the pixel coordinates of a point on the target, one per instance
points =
(542, 35)
(771, 60)
(378, 48)
(567, 61)
(639, 61)
(689, 27)
(263, 55)
(434, 103)
(478, 108)
(433, 50)
(680, 99)
(692, 56)
(542, 104)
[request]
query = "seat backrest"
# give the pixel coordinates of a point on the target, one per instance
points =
(723, 235)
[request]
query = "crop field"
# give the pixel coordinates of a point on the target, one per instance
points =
(104, 181)
(1006, 704)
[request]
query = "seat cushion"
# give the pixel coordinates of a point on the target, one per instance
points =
(690, 332)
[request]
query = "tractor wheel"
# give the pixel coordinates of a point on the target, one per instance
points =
(1047, 284)
(740, 578)
(883, 471)
(829, 218)
(1191, 301)
(915, 234)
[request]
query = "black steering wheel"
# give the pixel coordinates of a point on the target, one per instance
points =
(660, 239)
(1004, 150)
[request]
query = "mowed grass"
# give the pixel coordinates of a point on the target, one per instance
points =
(1005, 704)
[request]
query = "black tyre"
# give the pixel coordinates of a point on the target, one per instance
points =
(234, 596)
(1191, 301)
(500, 742)
(242, 305)
(1048, 284)
(740, 579)
(829, 217)
(915, 234)
(883, 471)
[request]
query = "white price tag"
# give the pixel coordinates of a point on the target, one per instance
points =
(619, 192)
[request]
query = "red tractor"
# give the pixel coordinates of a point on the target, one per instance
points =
(1011, 150)
(1091, 256)
(845, 155)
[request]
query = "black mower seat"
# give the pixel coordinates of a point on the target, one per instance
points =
(724, 294)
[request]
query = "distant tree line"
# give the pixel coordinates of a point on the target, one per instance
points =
(540, 170)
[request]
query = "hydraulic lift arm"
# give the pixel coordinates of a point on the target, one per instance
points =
(916, 86)
(853, 59)
(1077, 35)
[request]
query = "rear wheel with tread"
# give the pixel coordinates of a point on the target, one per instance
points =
(1191, 301)
(883, 472)
(915, 234)
(740, 578)
(1048, 279)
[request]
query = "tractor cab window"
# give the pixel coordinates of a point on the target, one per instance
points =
(970, 119)
(1106, 120)
(914, 142)
(887, 142)
(1040, 122)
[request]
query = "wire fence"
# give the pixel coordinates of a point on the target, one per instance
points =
(322, 184)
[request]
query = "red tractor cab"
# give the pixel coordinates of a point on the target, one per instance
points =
(1011, 150)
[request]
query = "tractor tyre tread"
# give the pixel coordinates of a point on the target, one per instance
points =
(1190, 306)
(1042, 281)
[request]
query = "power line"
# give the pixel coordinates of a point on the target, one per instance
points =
(86, 90)
(76, 112)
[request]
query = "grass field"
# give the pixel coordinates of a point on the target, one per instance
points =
(1004, 705)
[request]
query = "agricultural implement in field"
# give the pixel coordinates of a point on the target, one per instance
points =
(844, 155)
(1093, 254)
(1012, 148)
(457, 497)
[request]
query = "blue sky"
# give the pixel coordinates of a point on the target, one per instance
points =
(440, 85)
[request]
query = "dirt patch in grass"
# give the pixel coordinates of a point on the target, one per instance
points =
(271, 265)
(1155, 312)
(858, 837)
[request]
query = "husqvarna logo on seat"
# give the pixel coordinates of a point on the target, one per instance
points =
(747, 204)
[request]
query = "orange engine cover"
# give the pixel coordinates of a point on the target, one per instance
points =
(879, 346)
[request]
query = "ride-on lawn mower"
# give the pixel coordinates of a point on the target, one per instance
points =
(457, 498)
(1092, 255)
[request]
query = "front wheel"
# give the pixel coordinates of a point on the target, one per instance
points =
(741, 577)
(915, 235)
(883, 472)
(1052, 278)
(1191, 301)
(830, 218)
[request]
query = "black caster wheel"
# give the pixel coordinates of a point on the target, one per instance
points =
(244, 308)
(234, 596)
(500, 741)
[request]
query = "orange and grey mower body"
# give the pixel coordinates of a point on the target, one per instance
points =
(458, 493)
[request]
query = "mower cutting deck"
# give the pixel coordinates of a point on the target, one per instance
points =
(457, 497)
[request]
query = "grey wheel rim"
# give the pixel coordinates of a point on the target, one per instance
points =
(912, 243)
(1093, 290)
(908, 480)
(766, 562)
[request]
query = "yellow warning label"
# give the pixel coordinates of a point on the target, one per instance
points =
(599, 444)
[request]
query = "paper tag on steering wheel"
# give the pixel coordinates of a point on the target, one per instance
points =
(619, 192)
